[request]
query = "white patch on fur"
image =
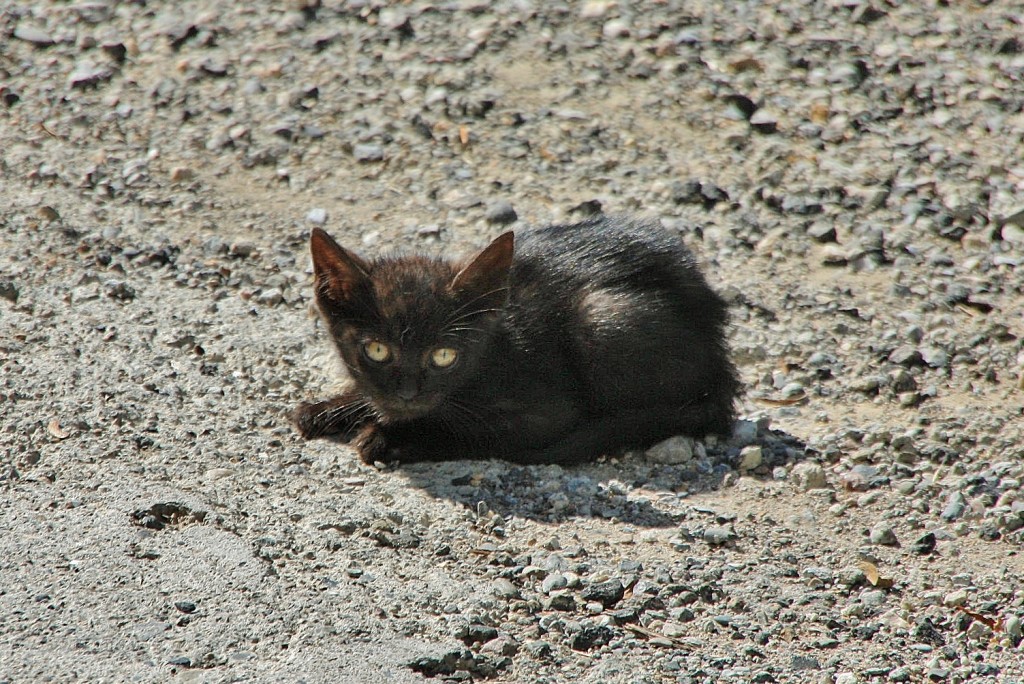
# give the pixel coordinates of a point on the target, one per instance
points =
(606, 307)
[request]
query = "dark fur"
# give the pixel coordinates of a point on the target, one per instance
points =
(593, 338)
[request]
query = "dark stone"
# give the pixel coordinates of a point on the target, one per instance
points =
(926, 633)
(800, 662)
(606, 593)
(477, 634)
(624, 615)
(432, 666)
(742, 104)
(924, 545)
(591, 636)
(9, 291)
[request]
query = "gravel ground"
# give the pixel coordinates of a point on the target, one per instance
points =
(849, 172)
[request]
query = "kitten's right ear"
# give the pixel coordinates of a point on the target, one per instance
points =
(338, 272)
(487, 272)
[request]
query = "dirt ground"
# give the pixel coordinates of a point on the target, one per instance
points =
(849, 173)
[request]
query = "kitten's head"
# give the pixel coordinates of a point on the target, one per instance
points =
(411, 330)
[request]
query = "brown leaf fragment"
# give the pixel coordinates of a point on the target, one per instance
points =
(995, 624)
(870, 571)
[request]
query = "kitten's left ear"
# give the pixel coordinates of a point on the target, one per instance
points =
(487, 273)
(338, 272)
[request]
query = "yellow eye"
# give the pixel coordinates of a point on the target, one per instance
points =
(443, 357)
(377, 351)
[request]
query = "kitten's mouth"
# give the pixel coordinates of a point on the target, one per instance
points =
(401, 410)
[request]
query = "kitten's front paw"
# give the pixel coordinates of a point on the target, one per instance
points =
(374, 447)
(337, 417)
(305, 420)
(311, 419)
(371, 444)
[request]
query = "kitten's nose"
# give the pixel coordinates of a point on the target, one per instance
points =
(407, 391)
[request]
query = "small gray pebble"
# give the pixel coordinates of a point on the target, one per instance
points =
(822, 231)
(504, 588)
(120, 290)
(808, 476)
(560, 601)
(935, 357)
(873, 598)
(368, 153)
(501, 213)
(30, 34)
(955, 507)
(744, 432)
(1013, 629)
(88, 74)
(900, 674)
(271, 297)
(317, 216)
(906, 355)
(801, 662)
(672, 451)
(555, 580)
(719, 535)
(883, 535)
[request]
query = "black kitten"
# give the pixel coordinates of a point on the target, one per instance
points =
(563, 344)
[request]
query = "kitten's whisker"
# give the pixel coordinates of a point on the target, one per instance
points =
(474, 300)
(347, 414)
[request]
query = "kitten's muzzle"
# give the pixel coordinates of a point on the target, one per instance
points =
(402, 408)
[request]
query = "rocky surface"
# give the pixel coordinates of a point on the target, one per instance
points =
(849, 172)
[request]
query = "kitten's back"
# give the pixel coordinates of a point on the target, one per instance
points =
(632, 314)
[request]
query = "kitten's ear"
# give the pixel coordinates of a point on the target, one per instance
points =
(338, 271)
(486, 274)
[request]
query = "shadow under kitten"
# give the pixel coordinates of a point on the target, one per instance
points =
(557, 345)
